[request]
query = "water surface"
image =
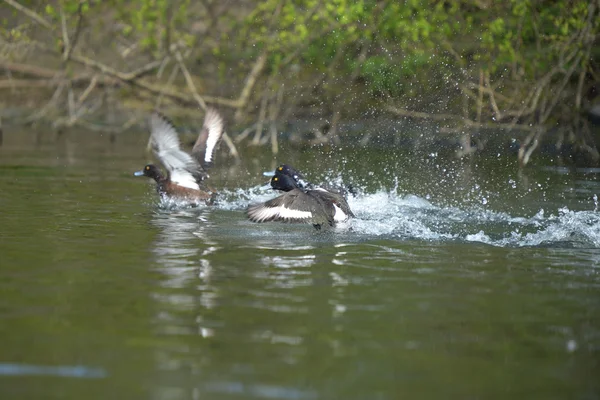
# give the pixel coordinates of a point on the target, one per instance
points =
(457, 279)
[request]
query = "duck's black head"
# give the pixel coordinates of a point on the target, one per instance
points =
(151, 171)
(290, 172)
(283, 182)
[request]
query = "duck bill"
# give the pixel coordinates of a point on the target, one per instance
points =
(138, 173)
(270, 174)
(266, 186)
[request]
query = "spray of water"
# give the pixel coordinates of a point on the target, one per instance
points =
(387, 214)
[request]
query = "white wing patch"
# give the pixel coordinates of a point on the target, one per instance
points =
(182, 177)
(262, 213)
(165, 143)
(214, 123)
(339, 215)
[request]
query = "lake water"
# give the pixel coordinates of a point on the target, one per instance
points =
(457, 279)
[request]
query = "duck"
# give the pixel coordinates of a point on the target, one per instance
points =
(185, 172)
(301, 202)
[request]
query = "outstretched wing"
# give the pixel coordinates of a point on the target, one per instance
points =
(182, 167)
(211, 133)
(293, 206)
(337, 198)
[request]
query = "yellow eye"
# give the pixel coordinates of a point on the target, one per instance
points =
(280, 168)
(275, 179)
(147, 167)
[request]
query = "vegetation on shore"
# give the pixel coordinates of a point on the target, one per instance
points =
(527, 67)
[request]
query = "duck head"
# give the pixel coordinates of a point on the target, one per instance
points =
(283, 182)
(151, 171)
(286, 178)
(289, 171)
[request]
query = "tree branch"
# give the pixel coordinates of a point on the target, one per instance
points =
(30, 13)
(452, 117)
(189, 80)
(251, 79)
(69, 48)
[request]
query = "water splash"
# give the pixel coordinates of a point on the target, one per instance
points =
(390, 215)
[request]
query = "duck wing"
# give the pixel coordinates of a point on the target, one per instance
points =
(343, 205)
(211, 133)
(183, 169)
(338, 199)
(293, 206)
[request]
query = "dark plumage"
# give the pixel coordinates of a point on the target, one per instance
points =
(301, 202)
(185, 172)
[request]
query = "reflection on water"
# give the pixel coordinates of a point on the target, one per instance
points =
(184, 251)
(456, 280)
(258, 324)
(184, 264)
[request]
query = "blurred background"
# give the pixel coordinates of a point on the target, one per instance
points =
(516, 76)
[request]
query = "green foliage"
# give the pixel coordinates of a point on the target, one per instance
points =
(412, 30)
(531, 34)
(415, 38)
(397, 49)
(51, 11)
(70, 8)
(150, 20)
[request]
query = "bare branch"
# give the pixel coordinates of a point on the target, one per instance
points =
(251, 79)
(262, 112)
(170, 80)
(492, 97)
(189, 80)
(232, 149)
(557, 95)
(146, 69)
(69, 49)
(525, 152)
(131, 78)
(87, 91)
(452, 117)
(65, 34)
(423, 115)
(245, 133)
(30, 83)
(44, 110)
(479, 96)
(27, 69)
(30, 13)
(192, 87)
